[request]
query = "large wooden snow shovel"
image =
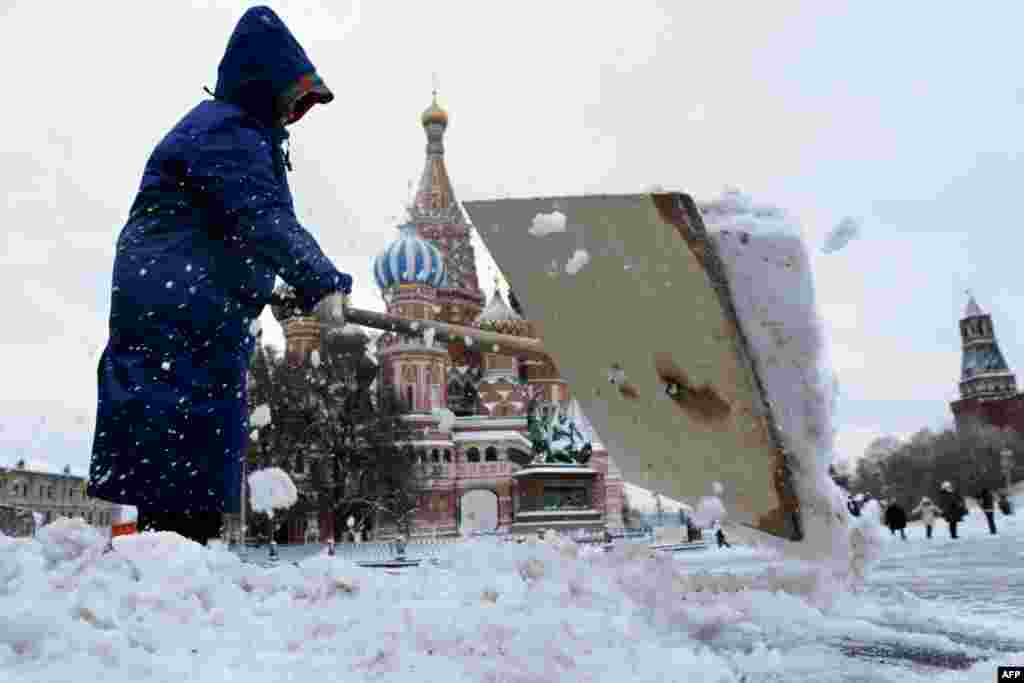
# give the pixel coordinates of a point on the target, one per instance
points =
(635, 311)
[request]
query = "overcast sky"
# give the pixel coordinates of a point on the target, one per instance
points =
(905, 121)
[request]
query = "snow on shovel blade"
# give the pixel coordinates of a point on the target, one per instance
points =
(633, 305)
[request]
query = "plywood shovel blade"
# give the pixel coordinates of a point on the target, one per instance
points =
(632, 303)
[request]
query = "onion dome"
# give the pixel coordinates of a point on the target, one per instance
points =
(409, 260)
(434, 114)
(498, 316)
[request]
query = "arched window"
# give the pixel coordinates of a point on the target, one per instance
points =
(473, 455)
(491, 454)
(447, 455)
(435, 455)
(421, 456)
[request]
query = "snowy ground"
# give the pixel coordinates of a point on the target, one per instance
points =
(163, 609)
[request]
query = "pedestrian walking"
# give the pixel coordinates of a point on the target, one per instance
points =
(853, 505)
(896, 519)
(928, 511)
(954, 509)
(720, 537)
(988, 506)
(212, 226)
(1004, 504)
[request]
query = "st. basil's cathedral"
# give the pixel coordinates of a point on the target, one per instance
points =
(484, 472)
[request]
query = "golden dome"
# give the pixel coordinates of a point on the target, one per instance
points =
(434, 114)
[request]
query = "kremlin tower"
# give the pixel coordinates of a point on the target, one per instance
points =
(988, 389)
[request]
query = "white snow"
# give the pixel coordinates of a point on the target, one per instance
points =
(447, 419)
(547, 223)
(272, 489)
(842, 234)
(255, 327)
(161, 608)
(773, 291)
(644, 500)
(260, 416)
(165, 366)
(314, 358)
(579, 258)
(710, 510)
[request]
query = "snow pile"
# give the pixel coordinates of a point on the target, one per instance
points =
(446, 417)
(842, 234)
(547, 223)
(772, 287)
(161, 608)
(272, 489)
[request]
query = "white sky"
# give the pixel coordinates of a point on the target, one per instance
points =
(906, 121)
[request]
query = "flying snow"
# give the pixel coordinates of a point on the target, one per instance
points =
(272, 489)
(547, 223)
(260, 416)
(842, 234)
(579, 259)
(447, 418)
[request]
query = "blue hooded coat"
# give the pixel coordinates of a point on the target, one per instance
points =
(212, 225)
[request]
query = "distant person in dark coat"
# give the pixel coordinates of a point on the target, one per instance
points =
(896, 519)
(853, 505)
(212, 225)
(953, 507)
(988, 506)
(1004, 504)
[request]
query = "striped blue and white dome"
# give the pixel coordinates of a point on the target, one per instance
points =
(409, 260)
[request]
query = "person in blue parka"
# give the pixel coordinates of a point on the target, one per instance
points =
(212, 225)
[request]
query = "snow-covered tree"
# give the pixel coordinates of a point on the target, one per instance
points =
(328, 424)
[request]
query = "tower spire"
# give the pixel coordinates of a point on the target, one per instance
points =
(439, 218)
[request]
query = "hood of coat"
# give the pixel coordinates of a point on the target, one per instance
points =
(266, 72)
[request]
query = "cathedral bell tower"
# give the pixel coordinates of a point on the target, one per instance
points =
(438, 218)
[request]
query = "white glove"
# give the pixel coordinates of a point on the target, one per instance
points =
(331, 309)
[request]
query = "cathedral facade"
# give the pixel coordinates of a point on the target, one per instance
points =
(988, 388)
(467, 407)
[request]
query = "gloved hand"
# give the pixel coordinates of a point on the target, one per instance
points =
(331, 309)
